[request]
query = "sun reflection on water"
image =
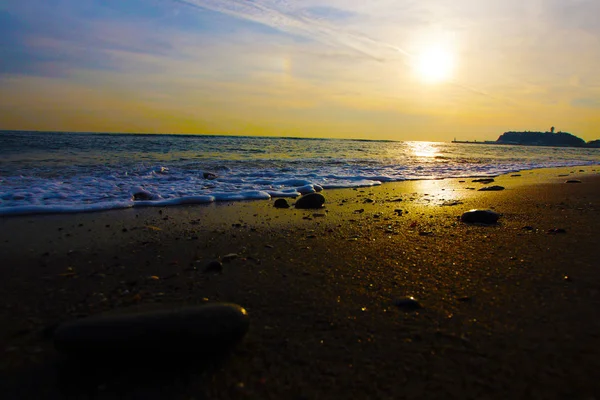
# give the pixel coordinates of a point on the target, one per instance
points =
(423, 149)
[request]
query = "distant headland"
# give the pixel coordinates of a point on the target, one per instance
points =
(530, 138)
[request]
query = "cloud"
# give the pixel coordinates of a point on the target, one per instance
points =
(280, 15)
(586, 102)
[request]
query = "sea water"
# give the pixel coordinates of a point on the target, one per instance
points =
(43, 172)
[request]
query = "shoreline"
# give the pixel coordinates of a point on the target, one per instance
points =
(507, 309)
(179, 202)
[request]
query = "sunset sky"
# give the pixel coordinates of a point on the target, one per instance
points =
(377, 69)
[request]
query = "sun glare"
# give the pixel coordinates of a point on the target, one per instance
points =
(434, 65)
(422, 149)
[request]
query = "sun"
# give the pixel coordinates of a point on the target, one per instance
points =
(434, 65)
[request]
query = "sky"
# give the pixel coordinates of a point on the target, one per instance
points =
(379, 69)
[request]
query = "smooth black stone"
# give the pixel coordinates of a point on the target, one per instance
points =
(142, 196)
(556, 231)
(205, 329)
(480, 216)
(281, 203)
(483, 180)
(494, 188)
(229, 257)
(408, 304)
(214, 266)
(573, 181)
(311, 200)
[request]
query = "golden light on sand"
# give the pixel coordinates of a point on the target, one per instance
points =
(434, 65)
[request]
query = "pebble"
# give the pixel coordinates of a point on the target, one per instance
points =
(480, 216)
(229, 257)
(214, 266)
(281, 203)
(209, 175)
(408, 304)
(556, 231)
(573, 181)
(491, 188)
(208, 328)
(311, 200)
(483, 180)
(142, 196)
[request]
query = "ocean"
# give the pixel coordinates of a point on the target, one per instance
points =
(52, 172)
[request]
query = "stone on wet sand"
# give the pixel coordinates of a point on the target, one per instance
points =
(408, 304)
(483, 180)
(573, 181)
(281, 203)
(494, 188)
(555, 231)
(311, 200)
(214, 267)
(229, 257)
(210, 328)
(480, 217)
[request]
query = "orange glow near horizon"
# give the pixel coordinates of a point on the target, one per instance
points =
(383, 70)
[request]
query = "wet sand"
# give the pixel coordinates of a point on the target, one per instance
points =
(509, 311)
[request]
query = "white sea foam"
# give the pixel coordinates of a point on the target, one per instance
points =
(198, 170)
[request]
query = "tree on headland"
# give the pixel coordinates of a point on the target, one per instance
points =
(542, 139)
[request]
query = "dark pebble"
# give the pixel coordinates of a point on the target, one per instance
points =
(209, 175)
(142, 196)
(281, 203)
(214, 266)
(483, 180)
(408, 304)
(480, 216)
(573, 181)
(210, 328)
(228, 257)
(556, 231)
(494, 188)
(515, 175)
(311, 200)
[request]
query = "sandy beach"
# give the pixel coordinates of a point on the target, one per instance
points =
(508, 311)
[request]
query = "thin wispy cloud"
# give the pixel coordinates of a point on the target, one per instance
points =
(281, 16)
